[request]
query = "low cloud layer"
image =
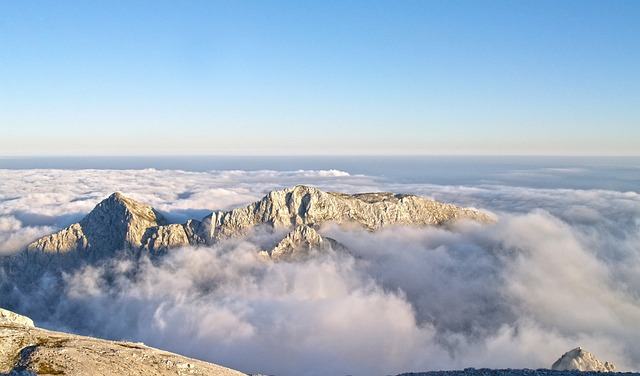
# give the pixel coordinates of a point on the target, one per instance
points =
(560, 269)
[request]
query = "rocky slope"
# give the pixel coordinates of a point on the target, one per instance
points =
(122, 223)
(117, 222)
(581, 360)
(301, 242)
(27, 350)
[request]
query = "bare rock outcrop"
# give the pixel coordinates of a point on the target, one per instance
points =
(302, 242)
(122, 223)
(8, 318)
(302, 205)
(581, 360)
(117, 222)
(26, 350)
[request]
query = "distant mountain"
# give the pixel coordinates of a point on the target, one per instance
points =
(576, 362)
(581, 360)
(120, 223)
(26, 350)
(117, 222)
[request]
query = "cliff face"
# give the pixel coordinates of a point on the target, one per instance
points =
(121, 223)
(27, 350)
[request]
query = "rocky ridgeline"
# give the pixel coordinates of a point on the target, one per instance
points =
(119, 222)
(26, 350)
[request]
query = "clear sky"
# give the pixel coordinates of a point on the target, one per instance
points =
(319, 77)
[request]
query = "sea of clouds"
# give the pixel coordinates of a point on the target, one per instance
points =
(559, 269)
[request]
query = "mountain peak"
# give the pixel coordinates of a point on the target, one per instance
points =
(581, 360)
(117, 222)
(125, 209)
(117, 196)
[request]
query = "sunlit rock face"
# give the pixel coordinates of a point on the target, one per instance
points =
(11, 318)
(119, 222)
(301, 242)
(27, 350)
(581, 360)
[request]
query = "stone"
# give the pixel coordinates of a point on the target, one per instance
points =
(302, 242)
(119, 222)
(581, 360)
(8, 317)
(27, 350)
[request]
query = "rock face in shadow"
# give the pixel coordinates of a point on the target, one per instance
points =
(122, 223)
(581, 360)
(27, 350)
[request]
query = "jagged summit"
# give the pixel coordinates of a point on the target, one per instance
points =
(581, 360)
(303, 205)
(119, 222)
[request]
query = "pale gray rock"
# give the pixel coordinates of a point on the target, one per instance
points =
(8, 317)
(122, 223)
(26, 350)
(581, 360)
(302, 205)
(117, 222)
(302, 242)
(162, 238)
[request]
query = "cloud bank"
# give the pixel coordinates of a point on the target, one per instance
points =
(560, 269)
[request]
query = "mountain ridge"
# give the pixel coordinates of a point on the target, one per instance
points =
(119, 222)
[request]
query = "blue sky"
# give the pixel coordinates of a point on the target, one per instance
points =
(319, 77)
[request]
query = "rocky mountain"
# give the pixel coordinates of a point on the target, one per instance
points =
(119, 222)
(581, 360)
(301, 242)
(27, 350)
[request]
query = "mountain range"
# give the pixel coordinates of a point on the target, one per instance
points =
(121, 223)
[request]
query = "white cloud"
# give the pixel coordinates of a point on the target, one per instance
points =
(559, 269)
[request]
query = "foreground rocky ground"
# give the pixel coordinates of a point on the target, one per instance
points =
(27, 350)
